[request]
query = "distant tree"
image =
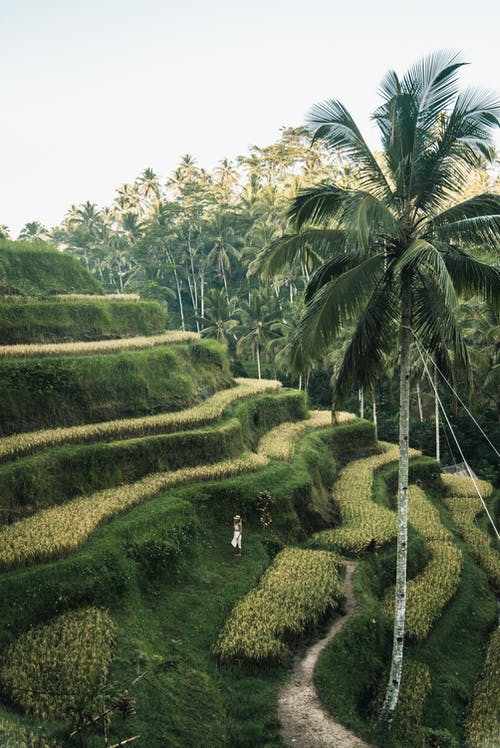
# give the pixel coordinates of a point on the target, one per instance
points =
(33, 231)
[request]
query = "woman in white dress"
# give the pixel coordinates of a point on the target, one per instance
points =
(238, 532)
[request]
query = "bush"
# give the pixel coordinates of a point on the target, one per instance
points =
(159, 544)
(350, 669)
(59, 474)
(483, 722)
(207, 412)
(53, 477)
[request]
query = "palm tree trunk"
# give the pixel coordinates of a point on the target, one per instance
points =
(374, 412)
(419, 401)
(436, 417)
(361, 398)
(392, 693)
(258, 360)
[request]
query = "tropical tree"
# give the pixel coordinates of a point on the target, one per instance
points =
(33, 231)
(220, 320)
(257, 317)
(391, 248)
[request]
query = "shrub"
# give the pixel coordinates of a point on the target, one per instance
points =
(16, 736)
(93, 347)
(60, 530)
(408, 729)
(32, 483)
(29, 268)
(463, 513)
(279, 443)
(363, 522)
(463, 486)
(159, 546)
(202, 414)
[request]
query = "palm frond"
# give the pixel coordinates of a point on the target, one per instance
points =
(321, 204)
(476, 220)
(462, 142)
(372, 340)
(470, 276)
(365, 217)
(332, 123)
(307, 248)
(425, 258)
(335, 303)
(329, 270)
(433, 82)
(435, 325)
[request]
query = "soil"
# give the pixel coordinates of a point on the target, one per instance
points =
(304, 721)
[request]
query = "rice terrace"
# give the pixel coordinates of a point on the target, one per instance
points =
(304, 353)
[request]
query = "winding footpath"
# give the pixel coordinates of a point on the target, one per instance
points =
(304, 721)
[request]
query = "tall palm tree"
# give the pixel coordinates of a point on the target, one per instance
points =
(257, 317)
(392, 247)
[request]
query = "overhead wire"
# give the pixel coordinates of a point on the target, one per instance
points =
(452, 431)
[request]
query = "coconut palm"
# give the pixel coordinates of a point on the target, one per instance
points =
(33, 231)
(257, 317)
(392, 247)
(220, 320)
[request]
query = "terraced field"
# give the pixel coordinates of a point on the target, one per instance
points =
(116, 570)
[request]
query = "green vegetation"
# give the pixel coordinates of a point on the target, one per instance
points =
(30, 268)
(294, 593)
(352, 667)
(483, 722)
(70, 390)
(207, 412)
(121, 470)
(48, 321)
(73, 651)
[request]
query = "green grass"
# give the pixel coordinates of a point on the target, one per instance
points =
(65, 391)
(57, 322)
(35, 268)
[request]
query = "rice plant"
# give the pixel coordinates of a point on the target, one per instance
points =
(295, 592)
(56, 670)
(279, 443)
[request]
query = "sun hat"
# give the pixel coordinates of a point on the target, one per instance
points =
(237, 516)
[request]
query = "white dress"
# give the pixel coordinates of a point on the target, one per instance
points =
(236, 541)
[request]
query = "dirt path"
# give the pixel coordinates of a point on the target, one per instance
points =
(304, 722)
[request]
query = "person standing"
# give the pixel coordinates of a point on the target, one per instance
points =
(238, 532)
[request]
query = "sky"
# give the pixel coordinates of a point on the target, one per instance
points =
(94, 91)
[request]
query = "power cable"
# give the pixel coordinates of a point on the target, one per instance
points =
(445, 415)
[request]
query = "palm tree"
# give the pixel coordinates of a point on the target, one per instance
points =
(223, 238)
(219, 320)
(33, 231)
(392, 247)
(257, 317)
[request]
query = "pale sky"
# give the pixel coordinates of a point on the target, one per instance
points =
(95, 91)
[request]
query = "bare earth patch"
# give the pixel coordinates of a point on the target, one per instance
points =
(304, 721)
